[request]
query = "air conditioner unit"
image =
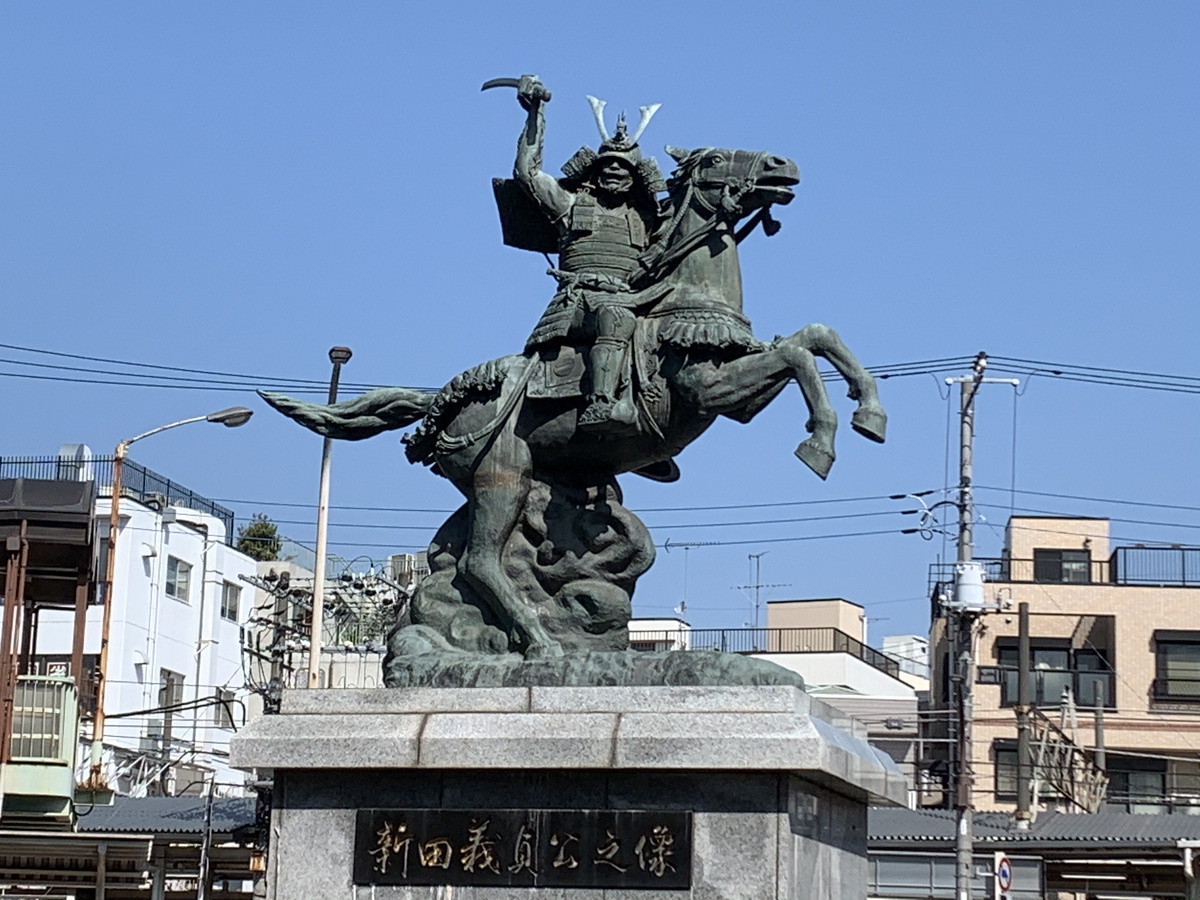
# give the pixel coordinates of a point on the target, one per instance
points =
(39, 780)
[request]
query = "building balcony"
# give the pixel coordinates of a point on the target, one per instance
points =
(1129, 566)
(137, 482)
(1050, 684)
(765, 640)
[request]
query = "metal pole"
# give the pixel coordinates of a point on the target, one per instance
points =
(1101, 756)
(14, 599)
(202, 881)
(233, 417)
(95, 780)
(278, 635)
(101, 869)
(337, 356)
(1024, 701)
(966, 435)
(964, 851)
(757, 557)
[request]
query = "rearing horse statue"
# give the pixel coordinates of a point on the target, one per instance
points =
(542, 558)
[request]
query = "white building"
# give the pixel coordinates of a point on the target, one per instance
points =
(175, 689)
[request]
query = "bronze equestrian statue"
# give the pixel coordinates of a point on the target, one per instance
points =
(643, 346)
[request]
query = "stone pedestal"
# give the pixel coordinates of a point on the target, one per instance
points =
(776, 789)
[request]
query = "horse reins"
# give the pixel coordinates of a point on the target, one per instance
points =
(667, 258)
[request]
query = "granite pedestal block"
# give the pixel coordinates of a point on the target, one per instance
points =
(777, 790)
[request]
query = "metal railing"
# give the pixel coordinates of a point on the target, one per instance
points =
(1049, 684)
(137, 482)
(1129, 566)
(771, 640)
(1176, 803)
(1159, 566)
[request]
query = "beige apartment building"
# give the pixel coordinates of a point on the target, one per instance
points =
(1116, 627)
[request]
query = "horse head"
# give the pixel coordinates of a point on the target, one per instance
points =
(735, 183)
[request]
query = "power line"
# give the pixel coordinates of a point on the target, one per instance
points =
(1096, 499)
(739, 543)
(653, 526)
(182, 377)
(1104, 369)
(639, 510)
(1050, 512)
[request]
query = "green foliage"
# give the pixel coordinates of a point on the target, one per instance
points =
(259, 538)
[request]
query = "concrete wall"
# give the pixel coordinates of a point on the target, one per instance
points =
(840, 669)
(827, 613)
(1025, 534)
(762, 835)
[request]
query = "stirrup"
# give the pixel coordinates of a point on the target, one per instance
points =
(598, 412)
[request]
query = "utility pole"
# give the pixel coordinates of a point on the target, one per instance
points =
(962, 612)
(1024, 704)
(338, 356)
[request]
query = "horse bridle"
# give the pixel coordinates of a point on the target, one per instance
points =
(723, 212)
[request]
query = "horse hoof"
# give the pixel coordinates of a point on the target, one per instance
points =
(816, 457)
(870, 422)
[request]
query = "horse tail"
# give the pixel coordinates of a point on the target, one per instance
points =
(383, 409)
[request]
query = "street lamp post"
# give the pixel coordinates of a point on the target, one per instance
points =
(338, 356)
(230, 418)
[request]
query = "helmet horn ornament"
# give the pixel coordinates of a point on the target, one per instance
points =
(598, 112)
(647, 114)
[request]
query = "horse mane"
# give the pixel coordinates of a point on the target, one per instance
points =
(683, 171)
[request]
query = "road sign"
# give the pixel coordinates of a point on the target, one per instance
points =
(1003, 874)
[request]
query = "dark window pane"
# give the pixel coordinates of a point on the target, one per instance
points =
(1179, 670)
(1047, 565)
(1006, 770)
(1051, 658)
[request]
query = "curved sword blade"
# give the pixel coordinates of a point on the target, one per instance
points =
(501, 82)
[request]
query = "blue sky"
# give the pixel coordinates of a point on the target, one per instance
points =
(237, 187)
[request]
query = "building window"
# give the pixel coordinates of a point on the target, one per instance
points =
(100, 571)
(170, 696)
(1136, 784)
(1177, 665)
(1004, 758)
(179, 577)
(1056, 667)
(223, 709)
(1062, 566)
(1004, 765)
(231, 597)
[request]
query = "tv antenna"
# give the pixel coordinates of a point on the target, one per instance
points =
(757, 586)
(687, 549)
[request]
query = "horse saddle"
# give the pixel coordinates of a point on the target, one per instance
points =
(560, 373)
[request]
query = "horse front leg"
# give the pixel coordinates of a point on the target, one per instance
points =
(500, 484)
(742, 388)
(869, 419)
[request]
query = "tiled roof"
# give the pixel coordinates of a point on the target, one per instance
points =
(892, 823)
(886, 824)
(155, 815)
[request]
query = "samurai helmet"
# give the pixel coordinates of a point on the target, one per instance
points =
(621, 145)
